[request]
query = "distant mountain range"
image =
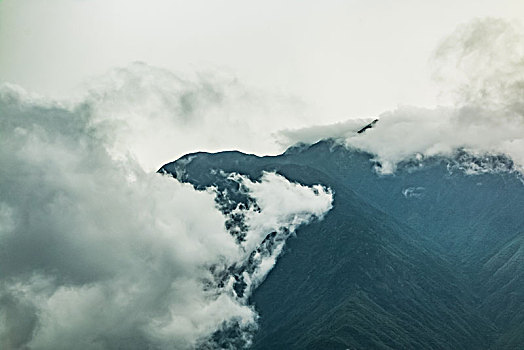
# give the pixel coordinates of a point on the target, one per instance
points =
(430, 257)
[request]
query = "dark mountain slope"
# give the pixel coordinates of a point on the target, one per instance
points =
(358, 280)
(366, 279)
(436, 198)
(476, 221)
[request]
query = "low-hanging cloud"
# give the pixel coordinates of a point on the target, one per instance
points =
(98, 253)
(161, 115)
(481, 65)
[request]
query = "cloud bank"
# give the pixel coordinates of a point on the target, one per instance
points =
(162, 116)
(98, 253)
(481, 65)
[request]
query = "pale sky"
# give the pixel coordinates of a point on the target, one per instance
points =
(346, 58)
(91, 235)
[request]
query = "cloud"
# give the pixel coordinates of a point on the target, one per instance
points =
(313, 134)
(98, 253)
(283, 207)
(162, 116)
(482, 65)
(413, 192)
(409, 132)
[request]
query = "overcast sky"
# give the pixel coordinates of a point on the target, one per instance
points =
(100, 252)
(345, 58)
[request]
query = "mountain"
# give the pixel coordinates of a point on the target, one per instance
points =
(430, 257)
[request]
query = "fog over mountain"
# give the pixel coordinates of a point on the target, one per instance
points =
(119, 230)
(97, 253)
(482, 66)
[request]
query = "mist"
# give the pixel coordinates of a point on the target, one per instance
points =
(99, 251)
(344, 59)
(480, 67)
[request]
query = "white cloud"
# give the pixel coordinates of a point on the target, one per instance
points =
(482, 65)
(284, 206)
(408, 131)
(96, 250)
(161, 116)
(97, 253)
(313, 134)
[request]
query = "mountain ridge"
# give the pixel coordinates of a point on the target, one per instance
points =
(411, 251)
